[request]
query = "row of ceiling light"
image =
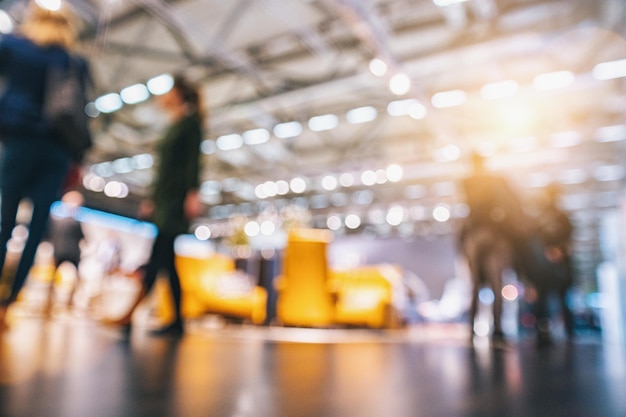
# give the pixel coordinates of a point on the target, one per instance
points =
(138, 93)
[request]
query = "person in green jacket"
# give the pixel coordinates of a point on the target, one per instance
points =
(175, 196)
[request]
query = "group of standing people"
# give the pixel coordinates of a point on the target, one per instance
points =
(35, 164)
(499, 234)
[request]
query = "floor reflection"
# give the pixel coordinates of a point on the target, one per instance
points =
(76, 368)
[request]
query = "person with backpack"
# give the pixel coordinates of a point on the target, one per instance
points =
(34, 163)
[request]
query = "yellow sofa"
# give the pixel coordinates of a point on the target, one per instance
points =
(311, 294)
(213, 285)
(364, 295)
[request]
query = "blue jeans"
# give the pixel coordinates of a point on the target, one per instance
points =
(32, 168)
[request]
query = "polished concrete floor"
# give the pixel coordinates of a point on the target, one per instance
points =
(71, 367)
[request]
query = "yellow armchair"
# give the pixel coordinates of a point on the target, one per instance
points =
(304, 298)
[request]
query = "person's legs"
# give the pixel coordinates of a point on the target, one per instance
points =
(157, 261)
(12, 179)
(43, 192)
(168, 259)
(35, 233)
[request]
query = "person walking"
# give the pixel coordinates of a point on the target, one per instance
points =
(34, 163)
(175, 196)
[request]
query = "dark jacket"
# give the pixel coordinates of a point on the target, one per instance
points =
(24, 67)
(178, 170)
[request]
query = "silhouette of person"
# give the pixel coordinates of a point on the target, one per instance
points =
(34, 163)
(175, 196)
(555, 275)
(491, 237)
(66, 236)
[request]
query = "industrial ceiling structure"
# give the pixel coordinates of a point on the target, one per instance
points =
(365, 108)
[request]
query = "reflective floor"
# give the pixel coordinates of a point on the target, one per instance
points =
(73, 367)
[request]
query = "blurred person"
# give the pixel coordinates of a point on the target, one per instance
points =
(493, 236)
(33, 164)
(175, 196)
(66, 235)
(554, 272)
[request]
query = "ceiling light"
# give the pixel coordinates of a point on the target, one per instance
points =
(378, 67)
(252, 229)
(361, 115)
(611, 133)
(109, 103)
(353, 221)
(403, 107)
(94, 183)
(381, 176)
(256, 136)
(447, 99)
(52, 5)
(103, 169)
(271, 189)
(329, 182)
(297, 185)
(346, 180)
(6, 23)
(91, 110)
(417, 111)
(566, 139)
(444, 3)
(324, 122)
(268, 228)
(122, 165)
(610, 70)
(499, 89)
(394, 173)
(211, 187)
(368, 178)
(573, 176)
(609, 173)
(116, 189)
(282, 187)
(202, 232)
(395, 215)
(441, 214)
(553, 80)
(160, 84)
(287, 130)
(135, 94)
(259, 192)
(208, 147)
(229, 142)
(143, 161)
(400, 84)
(333, 223)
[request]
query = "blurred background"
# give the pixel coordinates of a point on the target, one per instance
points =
(359, 116)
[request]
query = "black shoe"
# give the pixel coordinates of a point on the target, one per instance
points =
(172, 330)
